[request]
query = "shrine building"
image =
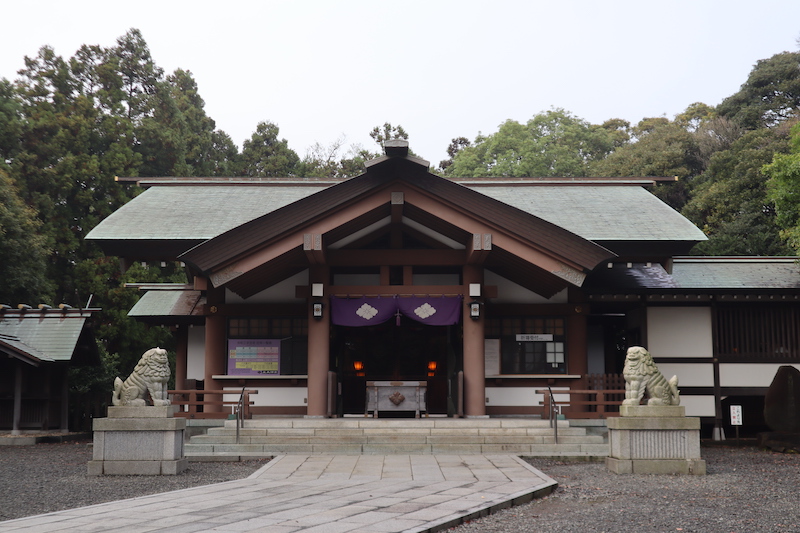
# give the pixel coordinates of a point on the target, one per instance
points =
(487, 290)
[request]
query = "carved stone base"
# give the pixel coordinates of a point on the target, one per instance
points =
(654, 440)
(144, 441)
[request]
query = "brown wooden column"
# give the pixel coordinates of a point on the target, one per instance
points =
(474, 366)
(181, 355)
(319, 336)
(17, 413)
(216, 325)
(577, 345)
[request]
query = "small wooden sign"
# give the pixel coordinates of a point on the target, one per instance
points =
(736, 415)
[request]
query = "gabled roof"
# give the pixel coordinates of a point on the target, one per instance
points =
(176, 214)
(46, 335)
(248, 256)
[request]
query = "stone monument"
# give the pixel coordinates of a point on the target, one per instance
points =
(782, 412)
(137, 438)
(656, 438)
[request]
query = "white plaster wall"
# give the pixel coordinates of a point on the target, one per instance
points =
(510, 292)
(273, 396)
(283, 292)
(196, 354)
(679, 332)
(520, 396)
(689, 374)
(698, 405)
(748, 375)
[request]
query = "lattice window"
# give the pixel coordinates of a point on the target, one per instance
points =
(758, 333)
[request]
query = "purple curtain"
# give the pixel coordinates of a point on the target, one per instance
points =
(435, 311)
(362, 311)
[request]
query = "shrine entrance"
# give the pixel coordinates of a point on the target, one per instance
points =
(396, 350)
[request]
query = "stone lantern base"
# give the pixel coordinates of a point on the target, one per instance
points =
(649, 439)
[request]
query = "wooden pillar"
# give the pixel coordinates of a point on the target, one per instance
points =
(319, 336)
(17, 398)
(181, 355)
(577, 344)
(64, 423)
(474, 366)
(216, 325)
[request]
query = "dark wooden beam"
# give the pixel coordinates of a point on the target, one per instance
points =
(395, 257)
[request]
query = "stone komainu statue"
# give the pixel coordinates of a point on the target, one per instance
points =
(150, 375)
(642, 376)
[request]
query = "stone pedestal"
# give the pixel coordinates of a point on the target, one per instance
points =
(649, 439)
(144, 441)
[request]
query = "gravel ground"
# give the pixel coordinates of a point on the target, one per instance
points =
(746, 490)
(43, 478)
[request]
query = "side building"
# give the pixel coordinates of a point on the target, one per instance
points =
(489, 290)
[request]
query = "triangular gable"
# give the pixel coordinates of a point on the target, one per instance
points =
(280, 243)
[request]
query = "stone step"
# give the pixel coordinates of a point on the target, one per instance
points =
(209, 451)
(269, 437)
(377, 431)
(404, 423)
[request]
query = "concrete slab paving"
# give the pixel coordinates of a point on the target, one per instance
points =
(320, 493)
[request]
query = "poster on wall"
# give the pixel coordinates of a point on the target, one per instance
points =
(254, 357)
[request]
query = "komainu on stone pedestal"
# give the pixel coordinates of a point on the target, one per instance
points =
(643, 377)
(150, 375)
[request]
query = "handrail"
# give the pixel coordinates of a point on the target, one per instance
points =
(239, 414)
(603, 399)
(190, 404)
(553, 411)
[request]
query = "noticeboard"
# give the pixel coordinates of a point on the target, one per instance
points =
(254, 357)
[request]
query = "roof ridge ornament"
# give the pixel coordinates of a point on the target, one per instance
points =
(396, 147)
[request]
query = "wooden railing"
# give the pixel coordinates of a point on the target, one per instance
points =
(596, 403)
(190, 399)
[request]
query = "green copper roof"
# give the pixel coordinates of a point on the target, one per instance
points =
(200, 212)
(600, 213)
(47, 336)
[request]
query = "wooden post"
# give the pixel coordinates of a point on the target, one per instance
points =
(181, 355)
(17, 399)
(474, 366)
(319, 336)
(215, 355)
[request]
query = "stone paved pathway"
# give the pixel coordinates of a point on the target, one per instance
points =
(320, 494)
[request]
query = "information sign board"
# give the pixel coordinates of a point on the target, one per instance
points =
(254, 357)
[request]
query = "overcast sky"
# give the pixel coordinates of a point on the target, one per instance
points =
(322, 70)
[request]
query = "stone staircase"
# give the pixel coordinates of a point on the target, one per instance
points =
(265, 437)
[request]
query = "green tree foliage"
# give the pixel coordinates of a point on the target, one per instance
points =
(784, 190)
(730, 201)
(770, 95)
(264, 155)
(659, 148)
(552, 143)
(24, 256)
(10, 122)
(386, 133)
(334, 161)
